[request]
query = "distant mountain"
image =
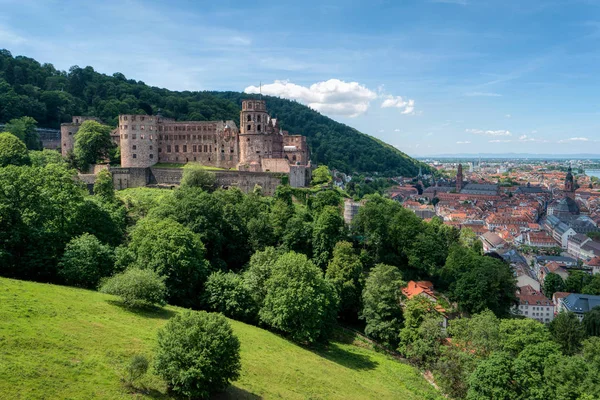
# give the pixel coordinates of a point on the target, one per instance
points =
(515, 156)
(52, 96)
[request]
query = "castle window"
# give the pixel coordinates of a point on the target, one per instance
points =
(230, 158)
(176, 148)
(76, 120)
(168, 148)
(125, 126)
(133, 127)
(125, 136)
(249, 127)
(160, 150)
(150, 147)
(151, 128)
(135, 156)
(189, 128)
(249, 118)
(133, 117)
(205, 148)
(141, 136)
(176, 158)
(194, 148)
(70, 133)
(258, 118)
(185, 148)
(160, 128)
(151, 137)
(142, 118)
(133, 136)
(188, 137)
(247, 140)
(258, 128)
(222, 157)
(193, 129)
(142, 127)
(231, 149)
(249, 105)
(134, 147)
(210, 149)
(194, 158)
(125, 117)
(151, 156)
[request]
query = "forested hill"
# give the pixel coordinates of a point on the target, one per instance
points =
(52, 96)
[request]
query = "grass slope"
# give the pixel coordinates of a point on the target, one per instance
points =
(67, 343)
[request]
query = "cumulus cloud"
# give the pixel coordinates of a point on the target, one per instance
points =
(574, 139)
(329, 97)
(461, 142)
(500, 132)
(500, 141)
(407, 106)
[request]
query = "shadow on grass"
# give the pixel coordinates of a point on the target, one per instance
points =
(333, 352)
(234, 392)
(147, 312)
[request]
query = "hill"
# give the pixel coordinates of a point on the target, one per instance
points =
(61, 342)
(52, 96)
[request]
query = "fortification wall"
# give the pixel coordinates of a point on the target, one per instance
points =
(124, 178)
(276, 165)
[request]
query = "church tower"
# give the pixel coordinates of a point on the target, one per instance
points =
(459, 179)
(569, 182)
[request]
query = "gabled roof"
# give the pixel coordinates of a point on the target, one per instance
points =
(581, 303)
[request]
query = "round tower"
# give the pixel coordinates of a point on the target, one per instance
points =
(139, 140)
(254, 124)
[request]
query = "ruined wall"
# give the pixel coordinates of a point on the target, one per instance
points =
(276, 165)
(300, 175)
(124, 178)
(139, 140)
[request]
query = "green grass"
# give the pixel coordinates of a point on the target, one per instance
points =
(65, 343)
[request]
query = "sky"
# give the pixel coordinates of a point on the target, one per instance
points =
(427, 76)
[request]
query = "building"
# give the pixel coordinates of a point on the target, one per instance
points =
(351, 210)
(68, 131)
(425, 289)
(583, 247)
(579, 303)
(259, 145)
(533, 304)
(559, 230)
(492, 242)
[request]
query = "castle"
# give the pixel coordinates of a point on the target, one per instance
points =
(259, 145)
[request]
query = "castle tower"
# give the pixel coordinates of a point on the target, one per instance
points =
(254, 127)
(459, 179)
(68, 131)
(139, 140)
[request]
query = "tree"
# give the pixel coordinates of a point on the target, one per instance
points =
(553, 283)
(593, 286)
(45, 157)
(565, 377)
(493, 379)
(568, 332)
(421, 335)
(226, 293)
(25, 129)
(576, 281)
(381, 304)
(197, 176)
(197, 354)
(345, 272)
(85, 261)
(488, 275)
(452, 371)
(104, 187)
(327, 231)
(12, 150)
(299, 301)
(478, 335)
(528, 370)
(172, 251)
(92, 143)
(516, 334)
(321, 175)
(137, 288)
(259, 271)
(591, 322)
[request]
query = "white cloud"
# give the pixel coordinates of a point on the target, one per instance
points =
(429, 134)
(483, 94)
(381, 131)
(500, 141)
(10, 38)
(574, 139)
(507, 116)
(329, 97)
(407, 106)
(461, 142)
(500, 132)
(397, 130)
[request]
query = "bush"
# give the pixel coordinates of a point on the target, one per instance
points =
(137, 287)
(197, 354)
(12, 150)
(197, 176)
(299, 301)
(85, 261)
(226, 293)
(135, 369)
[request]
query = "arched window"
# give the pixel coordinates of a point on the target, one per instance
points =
(258, 128)
(258, 118)
(249, 118)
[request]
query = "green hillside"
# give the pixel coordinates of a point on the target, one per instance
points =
(61, 342)
(52, 96)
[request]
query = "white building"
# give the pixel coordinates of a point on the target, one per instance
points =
(534, 305)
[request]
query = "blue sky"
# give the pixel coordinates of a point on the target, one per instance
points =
(429, 76)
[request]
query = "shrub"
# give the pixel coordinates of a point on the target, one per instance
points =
(226, 293)
(197, 354)
(135, 369)
(197, 176)
(85, 261)
(137, 287)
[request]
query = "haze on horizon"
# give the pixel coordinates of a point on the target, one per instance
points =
(430, 77)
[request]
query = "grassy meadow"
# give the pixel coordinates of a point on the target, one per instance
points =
(64, 343)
